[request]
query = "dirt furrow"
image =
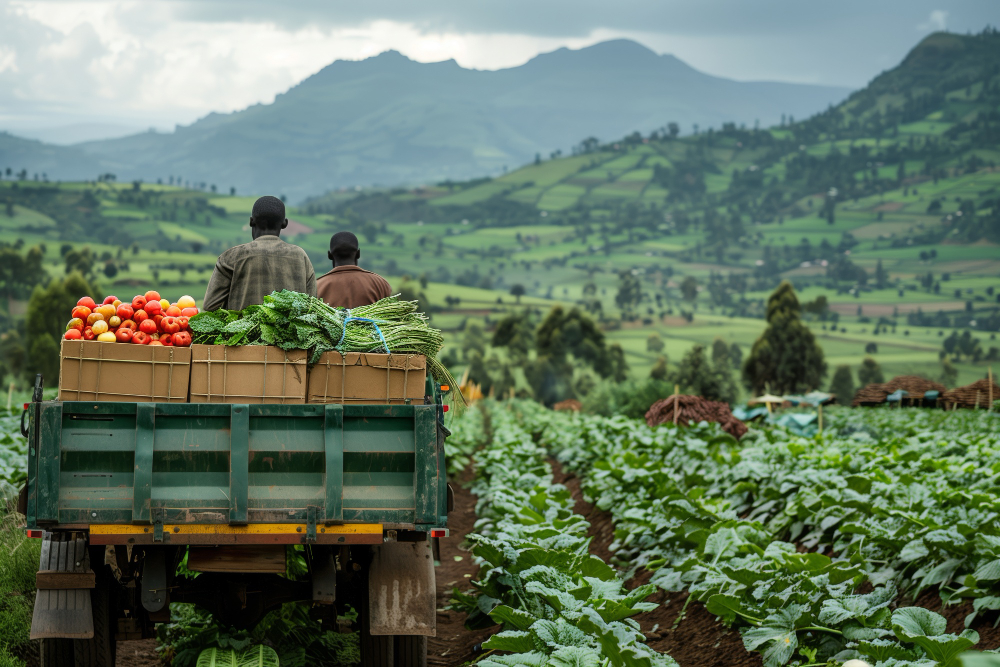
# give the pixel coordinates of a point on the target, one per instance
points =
(699, 640)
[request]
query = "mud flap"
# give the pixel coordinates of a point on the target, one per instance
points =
(402, 593)
(64, 612)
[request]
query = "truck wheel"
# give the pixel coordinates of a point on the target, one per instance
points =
(411, 650)
(101, 649)
(376, 650)
(55, 652)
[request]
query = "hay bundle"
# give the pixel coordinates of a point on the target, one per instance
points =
(693, 409)
(569, 405)
(914, 385)
(871, 394)
(975, 395)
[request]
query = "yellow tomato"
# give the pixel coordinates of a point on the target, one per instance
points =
(107, 310)
(106, 337)
(165, 303)
(186, 301)
(115, 321)
(94, 317)
(99, 327)
(116, 303)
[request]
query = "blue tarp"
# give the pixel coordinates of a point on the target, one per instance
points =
(897, 396)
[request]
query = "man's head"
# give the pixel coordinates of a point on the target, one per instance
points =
(267, 217)
(344, 249)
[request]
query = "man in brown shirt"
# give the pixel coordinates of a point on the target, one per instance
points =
(348, 285)
(244, 275)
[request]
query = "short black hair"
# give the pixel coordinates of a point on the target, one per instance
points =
(344, 245)
(269, 212)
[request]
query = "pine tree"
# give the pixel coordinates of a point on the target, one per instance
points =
(786, 359)
(881, 279)
(842, 385)
(870, 372)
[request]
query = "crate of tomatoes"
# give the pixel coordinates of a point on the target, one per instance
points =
(135, 351)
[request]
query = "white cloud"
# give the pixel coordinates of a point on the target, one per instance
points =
(938, 20)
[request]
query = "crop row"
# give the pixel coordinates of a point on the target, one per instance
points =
(558, 604)
(777, 534)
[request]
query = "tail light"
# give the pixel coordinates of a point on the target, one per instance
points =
(35, 533)
(439, 532)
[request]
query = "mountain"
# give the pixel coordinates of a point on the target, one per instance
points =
(389, 120)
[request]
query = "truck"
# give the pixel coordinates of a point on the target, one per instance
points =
(129, 499)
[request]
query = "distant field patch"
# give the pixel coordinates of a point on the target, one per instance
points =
(234, 204)
(904, 307)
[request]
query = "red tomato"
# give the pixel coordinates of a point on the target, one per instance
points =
(152, 295)
(125, 312)
(169, 325)
(138, 301)
(110, 300)
(173, 311)
(189, 312)
(123, 335)
(73, 334)
(140, 315)
(182, 339)
(88, 334)
(75, 323)
(129, 324)
(152, 308)
(167, 339)
(147, 326)
(83, 312)
(157, 319)
(140, 338)
(155, 342)
(183, 321)
(87, 302)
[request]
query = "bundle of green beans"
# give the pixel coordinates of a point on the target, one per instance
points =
(292, 320)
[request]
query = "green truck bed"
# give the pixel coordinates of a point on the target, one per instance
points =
(181, 464)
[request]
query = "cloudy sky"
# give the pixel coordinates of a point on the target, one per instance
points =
(143, 63)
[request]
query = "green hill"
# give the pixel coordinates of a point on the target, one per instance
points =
(885, 206)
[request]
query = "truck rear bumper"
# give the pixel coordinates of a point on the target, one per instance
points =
(256, 533)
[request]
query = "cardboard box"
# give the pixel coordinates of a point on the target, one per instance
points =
(358, 377)
(247, 374)
(95, 371)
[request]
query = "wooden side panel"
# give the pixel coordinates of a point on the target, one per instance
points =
(425, 464)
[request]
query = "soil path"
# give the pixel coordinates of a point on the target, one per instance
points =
(699, 639)
(453, 644)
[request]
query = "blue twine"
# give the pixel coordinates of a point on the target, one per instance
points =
(374, 323)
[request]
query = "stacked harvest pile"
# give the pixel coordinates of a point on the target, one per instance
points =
(294, 321)
(569, 405)
(871, 394)
(914, 385)
(975, 395)
(693, 409)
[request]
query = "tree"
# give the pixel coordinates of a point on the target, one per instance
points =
(110, 270)
(697, 376)
(45, 322)
(517, 291)
(870, 372)
(654, 343)
(565, 337)
(735, 355)
(786, 359)
(720, 352)
(689, 288)
(629, 292)
(616, 359)
(674, 129)
(10, 209)
(842, 385)
(881, 278)
(871, 348)
(660, 369)
(516, 333)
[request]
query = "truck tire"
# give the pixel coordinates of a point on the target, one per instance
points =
(101, 649)
(376, 650)
(55, 652)
(411, 650)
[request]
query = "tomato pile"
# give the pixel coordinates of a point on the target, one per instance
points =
(147, 320)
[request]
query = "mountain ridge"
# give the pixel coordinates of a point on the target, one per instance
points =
(391, 120)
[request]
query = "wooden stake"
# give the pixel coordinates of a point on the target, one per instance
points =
(820, 407)
(977, 399)
(10, 394)
(677, 389)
